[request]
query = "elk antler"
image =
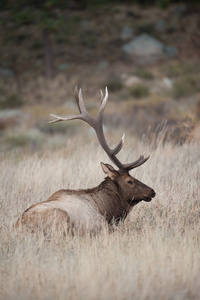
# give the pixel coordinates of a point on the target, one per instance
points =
(97, 124)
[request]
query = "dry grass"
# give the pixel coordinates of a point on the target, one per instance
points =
(155, 255)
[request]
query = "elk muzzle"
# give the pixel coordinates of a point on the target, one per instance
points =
(141, 192)
(149, 198)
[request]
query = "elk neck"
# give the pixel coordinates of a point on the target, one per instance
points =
(109, 201)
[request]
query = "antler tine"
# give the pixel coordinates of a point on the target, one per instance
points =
(67, 118)
(101, 96)
(76, 93)
(103, 103)
(97, 124)
(81, 103)
(119, 146)
(81, 106)
(141, 160)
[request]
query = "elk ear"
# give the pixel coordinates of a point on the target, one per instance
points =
(109, 170)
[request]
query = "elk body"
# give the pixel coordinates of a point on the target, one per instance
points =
(92, 209)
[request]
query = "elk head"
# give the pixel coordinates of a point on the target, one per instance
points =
(131, 189)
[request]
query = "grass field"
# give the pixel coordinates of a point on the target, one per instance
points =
(154, 255)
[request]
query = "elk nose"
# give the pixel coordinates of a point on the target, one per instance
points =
(153, 193)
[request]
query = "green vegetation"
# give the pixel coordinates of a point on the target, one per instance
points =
(49, 4)
(139, 91)
(58, 128)
(10, 100)
(186, 86)
(144, 74)
(177, 69)
(186, 77)
(89, 40)
(114, 84)
(16, 141)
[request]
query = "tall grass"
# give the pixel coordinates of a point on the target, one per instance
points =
(154, 255)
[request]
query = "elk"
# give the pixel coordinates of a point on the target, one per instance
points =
(89, 210)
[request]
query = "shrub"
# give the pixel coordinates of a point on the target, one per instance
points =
(58, 128)
(144, 74)
(139, 91)
(186, 86)
(10, 101)
(177, 69)
(114, 84)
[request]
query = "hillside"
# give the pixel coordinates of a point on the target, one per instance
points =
(154, 87)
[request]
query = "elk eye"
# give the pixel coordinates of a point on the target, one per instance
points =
(130, 182)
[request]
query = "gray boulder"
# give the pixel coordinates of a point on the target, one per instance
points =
(161, 26)
(171, 51)
(180, 10)
(4, 72)
(145, 48)
(126, 33)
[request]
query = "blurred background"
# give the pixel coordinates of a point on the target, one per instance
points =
(146, 52)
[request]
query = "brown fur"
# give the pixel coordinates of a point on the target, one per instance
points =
(51, 219)
(87, 210)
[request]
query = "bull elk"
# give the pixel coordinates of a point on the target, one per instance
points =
(91, 209)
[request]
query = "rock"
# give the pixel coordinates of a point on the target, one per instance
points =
(126, 33)
(64, 66)
(180, 10)
(145, 48)
(161, 26)
(132, 80)
(102, 65)
(38, 63)
(171, 51)
(86, 26)
(161, 86)
(4, 72)
(167, 83)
